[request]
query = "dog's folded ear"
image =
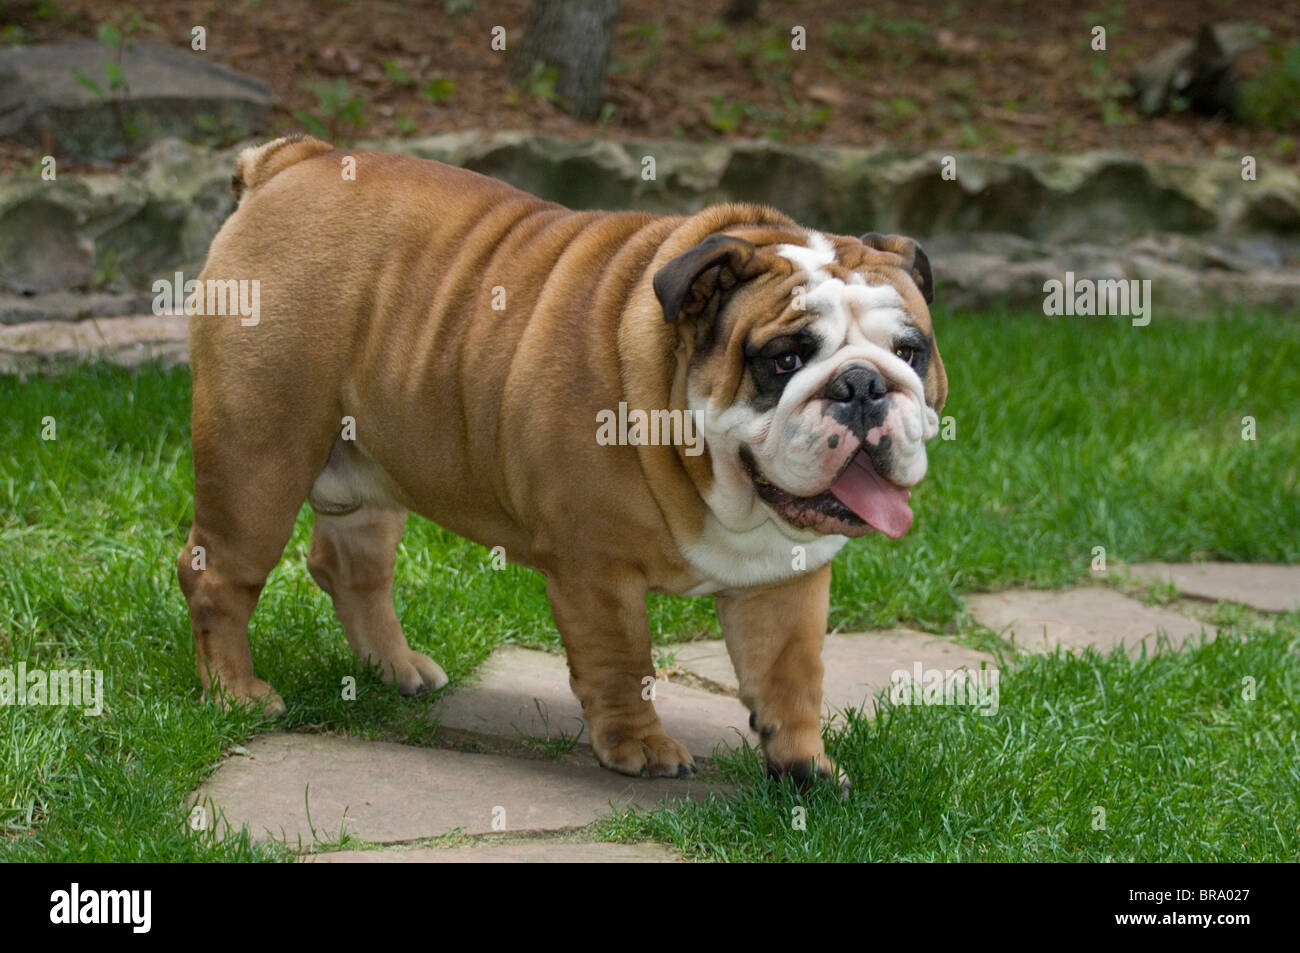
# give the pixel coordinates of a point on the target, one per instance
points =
(914, 259)
(697, 279)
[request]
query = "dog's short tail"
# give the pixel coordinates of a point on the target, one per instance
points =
(257, 164)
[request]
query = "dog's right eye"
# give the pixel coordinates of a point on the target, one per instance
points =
(787, 363)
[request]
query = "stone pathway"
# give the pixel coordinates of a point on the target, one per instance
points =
(1271, 588)
(857, 666)
(521, 692)
(389, 793)
(1040, 620)
(526, 852)
(515, 805)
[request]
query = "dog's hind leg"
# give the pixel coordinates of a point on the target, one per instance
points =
(352, 557)
(250, 479)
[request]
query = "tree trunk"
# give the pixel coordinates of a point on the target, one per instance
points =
(571, 37)
(737, 11)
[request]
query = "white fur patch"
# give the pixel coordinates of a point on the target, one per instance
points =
(756, 557)
(812, 258)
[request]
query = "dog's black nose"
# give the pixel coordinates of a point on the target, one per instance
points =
(857, 384)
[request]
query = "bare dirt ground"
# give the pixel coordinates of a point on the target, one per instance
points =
(995, 76)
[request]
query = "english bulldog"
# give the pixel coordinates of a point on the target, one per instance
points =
(436, 341)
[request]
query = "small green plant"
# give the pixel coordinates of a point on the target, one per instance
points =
(710, 34)
(406, 126)
(773, 62)
(652, 39)
(458, 8)
(816, 118)
(438, 89)
(1106, 91)
(399, 76)
(541, 81)
(664, 658)
(107, 270)
(554, 745)
(903, 28)
(117, 40)
(340, 111)
(725, 116)
(1272, 98)
(1114, 114)
(218, 132)
(900, 107)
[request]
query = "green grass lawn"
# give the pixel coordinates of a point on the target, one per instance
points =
(1071, 434)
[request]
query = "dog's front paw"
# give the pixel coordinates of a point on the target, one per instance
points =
(414, 672)
(651, 755)
(804, 772)
(250, 692)
(797, 752)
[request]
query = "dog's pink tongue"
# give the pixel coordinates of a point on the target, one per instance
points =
(877, 501)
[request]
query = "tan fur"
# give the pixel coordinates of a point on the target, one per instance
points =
(376, 300)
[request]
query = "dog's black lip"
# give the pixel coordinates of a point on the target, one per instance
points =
(825, 503)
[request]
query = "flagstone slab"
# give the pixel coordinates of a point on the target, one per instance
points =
(858, 665)
(530, 852)
(386, 792)
(1271, 587)
(521, 692)
(1040, 620)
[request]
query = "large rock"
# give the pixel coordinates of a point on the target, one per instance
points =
(72, 306)
(47, 345)
(1190, 277)
(167, 92)
(853, 190)
(1199, 73)
(113, 233)
(1206, 238)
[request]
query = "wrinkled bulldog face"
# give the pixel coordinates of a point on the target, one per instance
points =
(817, 377)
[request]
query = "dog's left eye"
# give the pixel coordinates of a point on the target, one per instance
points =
(907, 353)
(787, 363)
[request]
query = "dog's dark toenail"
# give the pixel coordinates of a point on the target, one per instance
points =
(685, 771)
(421, 689)
(645, 771)
(753, 722)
